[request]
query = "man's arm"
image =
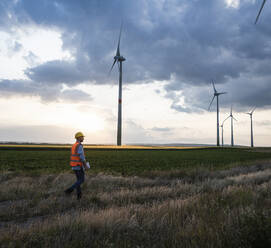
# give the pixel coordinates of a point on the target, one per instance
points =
(82, 155)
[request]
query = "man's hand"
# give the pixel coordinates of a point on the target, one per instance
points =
(85, 164)
(88, 165)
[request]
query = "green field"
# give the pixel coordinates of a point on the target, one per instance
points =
(127, 162)
(208, 197)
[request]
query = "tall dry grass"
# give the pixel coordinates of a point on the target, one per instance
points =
(229, 208)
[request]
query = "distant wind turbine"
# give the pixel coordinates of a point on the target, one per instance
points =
(260, 11)
(251, 127)
(119, 59)
(222, 131)
(232, 118)
(216, 94)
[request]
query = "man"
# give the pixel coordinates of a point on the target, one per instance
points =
(78, 164)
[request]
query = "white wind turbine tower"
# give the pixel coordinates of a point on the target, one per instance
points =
(260, 11)
(232, 118)
(216, 94)
(119, 59)
(222, 131)
(251, 127)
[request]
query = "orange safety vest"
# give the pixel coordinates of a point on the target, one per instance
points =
(75, 157)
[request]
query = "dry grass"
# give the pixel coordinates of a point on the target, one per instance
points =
(229, 208)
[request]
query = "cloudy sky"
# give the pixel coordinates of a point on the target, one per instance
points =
(55, 56)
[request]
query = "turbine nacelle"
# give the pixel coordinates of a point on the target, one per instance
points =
(119, 58)
(219, 93)
(230, 116)
(216, 94)
(251, 113)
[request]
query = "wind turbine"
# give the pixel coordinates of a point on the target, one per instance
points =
(251, 127)
(216, 94)
(119, 59)
(222, 131)
(260, 11)
(232, 118)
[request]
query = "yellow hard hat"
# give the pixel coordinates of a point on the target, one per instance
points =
(79, 134)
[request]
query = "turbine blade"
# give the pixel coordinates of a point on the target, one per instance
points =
(222, 93)
(231, 109)
(227, 118)
(112, 66)
(253, 110)
(260, 11)
(211, 103)
(234, 118)
(214, 86)
(118, 49)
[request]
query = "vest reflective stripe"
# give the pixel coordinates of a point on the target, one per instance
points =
(75, 157)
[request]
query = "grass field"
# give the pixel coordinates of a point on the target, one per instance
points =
(137, 198)
(127, 162)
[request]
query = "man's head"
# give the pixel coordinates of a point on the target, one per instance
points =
(79, 136)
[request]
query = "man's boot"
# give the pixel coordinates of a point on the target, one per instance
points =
(68, 191)
(79, 195)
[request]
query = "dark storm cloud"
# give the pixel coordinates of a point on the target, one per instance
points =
(47, 93)
(185, 42)
(57, 72)
(28, 88)
(243, 93)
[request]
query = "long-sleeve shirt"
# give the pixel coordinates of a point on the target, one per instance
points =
(80, 151)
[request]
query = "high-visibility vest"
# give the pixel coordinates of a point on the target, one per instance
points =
(75, 157)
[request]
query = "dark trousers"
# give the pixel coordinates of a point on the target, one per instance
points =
(80, 176)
